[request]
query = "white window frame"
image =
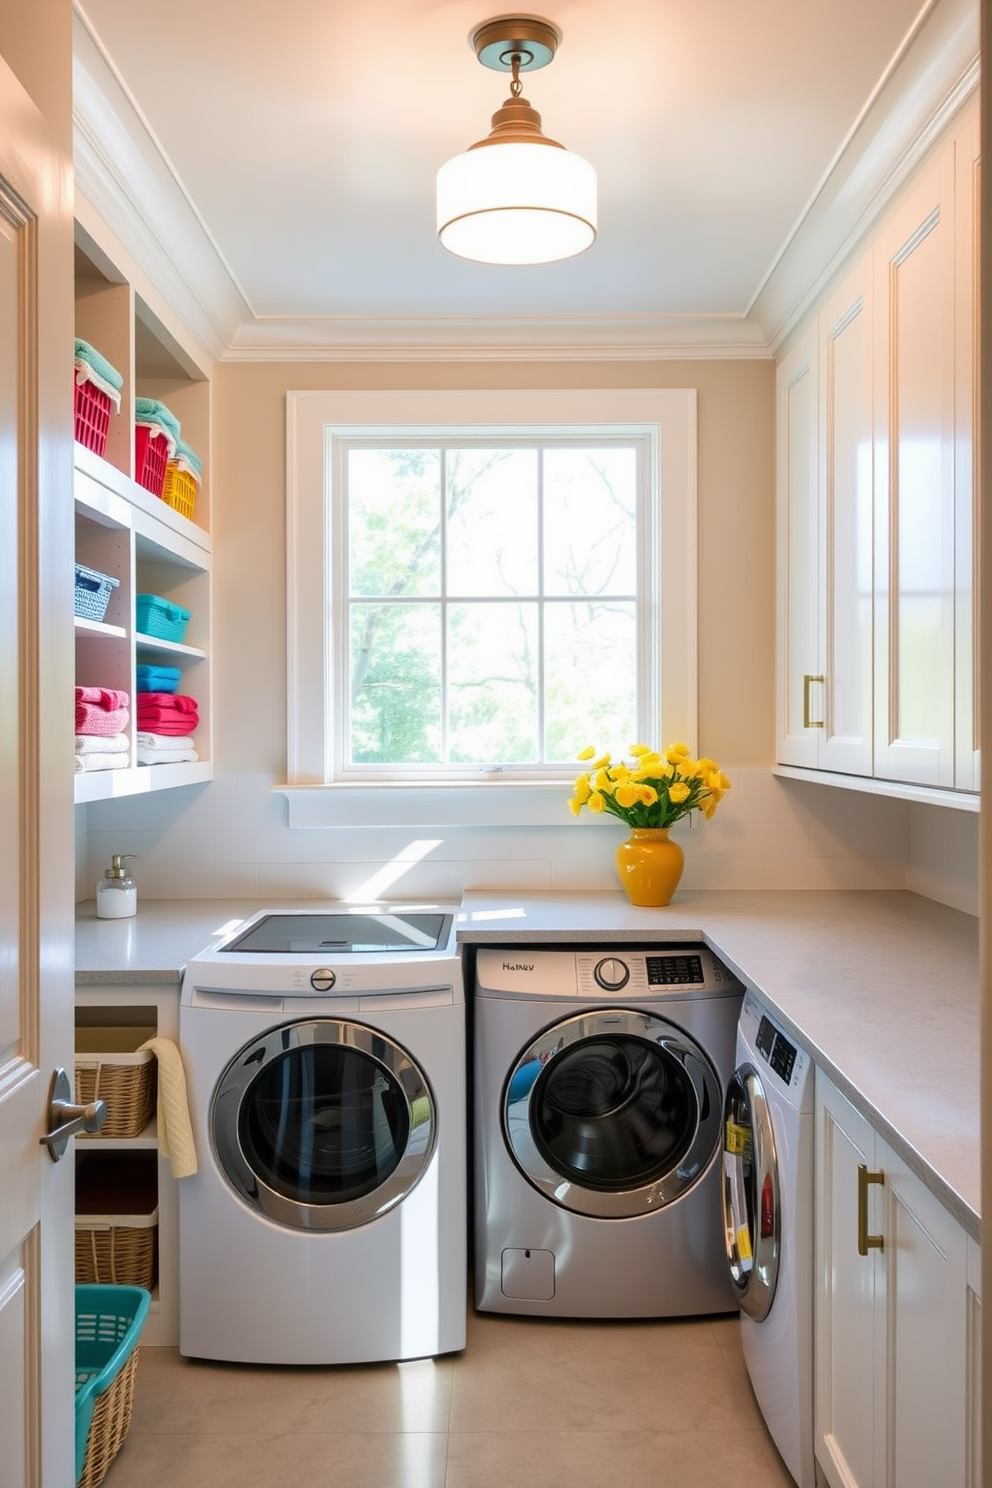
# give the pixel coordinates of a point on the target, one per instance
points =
(665, 417)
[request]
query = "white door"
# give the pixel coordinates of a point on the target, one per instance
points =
(36, 821)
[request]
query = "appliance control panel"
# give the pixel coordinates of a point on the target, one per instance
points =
(773, 1049)
(599, 972)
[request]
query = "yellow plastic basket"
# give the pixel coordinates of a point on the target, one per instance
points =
(179, 490)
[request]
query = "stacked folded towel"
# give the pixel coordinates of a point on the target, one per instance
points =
(101, 720)
(166, 723)
(151, 414)
(90, 366)
(187, 459)
(166, 749)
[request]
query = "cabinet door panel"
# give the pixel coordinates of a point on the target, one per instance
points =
(914, 485)
(926, 1336)
(845, 1319)
(967, 289)
(799, 656)
(846, 483)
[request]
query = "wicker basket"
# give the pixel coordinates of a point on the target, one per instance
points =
(109, 1068)
(108, 1325)
(117, 1218)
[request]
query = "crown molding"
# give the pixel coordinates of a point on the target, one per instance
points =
(502, 339)
(928, 81)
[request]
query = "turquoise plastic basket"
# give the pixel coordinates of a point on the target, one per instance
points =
(159, 617)
(109, 1320)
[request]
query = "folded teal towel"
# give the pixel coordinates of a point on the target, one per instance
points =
(89, 354)
(151, 411)
(189, 457)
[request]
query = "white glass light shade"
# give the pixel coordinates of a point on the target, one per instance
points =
(516, 203)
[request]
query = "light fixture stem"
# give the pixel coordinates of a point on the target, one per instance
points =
(516, 86)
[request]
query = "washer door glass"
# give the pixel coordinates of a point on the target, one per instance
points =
(751, 1197)
(612, 1113)
(323, 1125)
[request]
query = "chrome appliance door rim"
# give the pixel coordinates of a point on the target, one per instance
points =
(243, 1070)
(622, 1203)
(753, 1256)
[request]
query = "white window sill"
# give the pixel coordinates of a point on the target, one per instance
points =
(495, 804)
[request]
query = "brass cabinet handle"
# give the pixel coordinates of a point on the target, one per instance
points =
(808, 722)
(867, 1242)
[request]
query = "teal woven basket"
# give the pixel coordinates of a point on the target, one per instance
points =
(109, 1320)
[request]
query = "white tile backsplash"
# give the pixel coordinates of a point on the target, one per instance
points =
(231, 837)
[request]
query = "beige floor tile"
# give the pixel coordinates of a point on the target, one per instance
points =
(655, 1376)
(297, 1460)
(608, 1459)
(531, 1402)
(195, 1397)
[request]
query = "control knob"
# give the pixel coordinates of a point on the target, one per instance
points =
(612, 974)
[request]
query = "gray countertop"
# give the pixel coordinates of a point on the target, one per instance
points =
(881, 988)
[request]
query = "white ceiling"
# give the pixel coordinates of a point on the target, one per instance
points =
(293, 149)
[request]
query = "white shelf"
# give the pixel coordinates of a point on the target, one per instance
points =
(167, 648)
(98, 628)
(146, 1141)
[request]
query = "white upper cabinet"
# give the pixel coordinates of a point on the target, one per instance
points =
(877, 483)
(914, 484)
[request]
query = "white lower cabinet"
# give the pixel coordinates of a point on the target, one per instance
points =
(897, 1317)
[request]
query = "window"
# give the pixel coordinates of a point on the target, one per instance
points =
(481, 583)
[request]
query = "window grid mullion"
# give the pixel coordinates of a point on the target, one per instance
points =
(542, 743)
(443, 607)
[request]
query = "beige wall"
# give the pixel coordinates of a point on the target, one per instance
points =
(736, 536)
(36, 44)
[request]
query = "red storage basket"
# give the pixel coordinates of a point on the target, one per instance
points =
(92, 413)
(151, 451)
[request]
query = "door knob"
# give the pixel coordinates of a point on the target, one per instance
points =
(66, 1119)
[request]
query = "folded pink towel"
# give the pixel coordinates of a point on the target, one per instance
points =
(92, 719)
(109, 698)
(176, 702)
(156, 720)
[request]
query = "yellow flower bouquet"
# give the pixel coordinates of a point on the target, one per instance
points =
(653, 790)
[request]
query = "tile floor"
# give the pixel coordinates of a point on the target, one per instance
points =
(529, 1404)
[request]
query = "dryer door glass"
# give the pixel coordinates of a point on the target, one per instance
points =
(613, 1113)
(751, 1196)
(323, 1125)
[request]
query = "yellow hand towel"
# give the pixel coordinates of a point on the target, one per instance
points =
(175, 1134)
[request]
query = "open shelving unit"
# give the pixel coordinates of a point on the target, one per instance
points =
(125, 531)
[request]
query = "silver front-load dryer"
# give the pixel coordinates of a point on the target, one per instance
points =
(600, 1076)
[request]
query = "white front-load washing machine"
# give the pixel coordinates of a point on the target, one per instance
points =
(600, 1075)
(325, 1062)
(768, 1211)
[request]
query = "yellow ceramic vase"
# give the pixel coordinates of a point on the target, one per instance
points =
(650, 866)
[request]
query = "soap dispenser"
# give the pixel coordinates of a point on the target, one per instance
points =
(117, 892)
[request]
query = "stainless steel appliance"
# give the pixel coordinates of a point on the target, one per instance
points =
(600, 1075)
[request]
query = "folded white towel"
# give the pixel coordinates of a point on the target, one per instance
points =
(165, 741)
(166, 756)
(102, 743)
(98, 761)
(175, 1132)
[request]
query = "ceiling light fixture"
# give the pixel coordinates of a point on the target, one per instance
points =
(516, 197)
